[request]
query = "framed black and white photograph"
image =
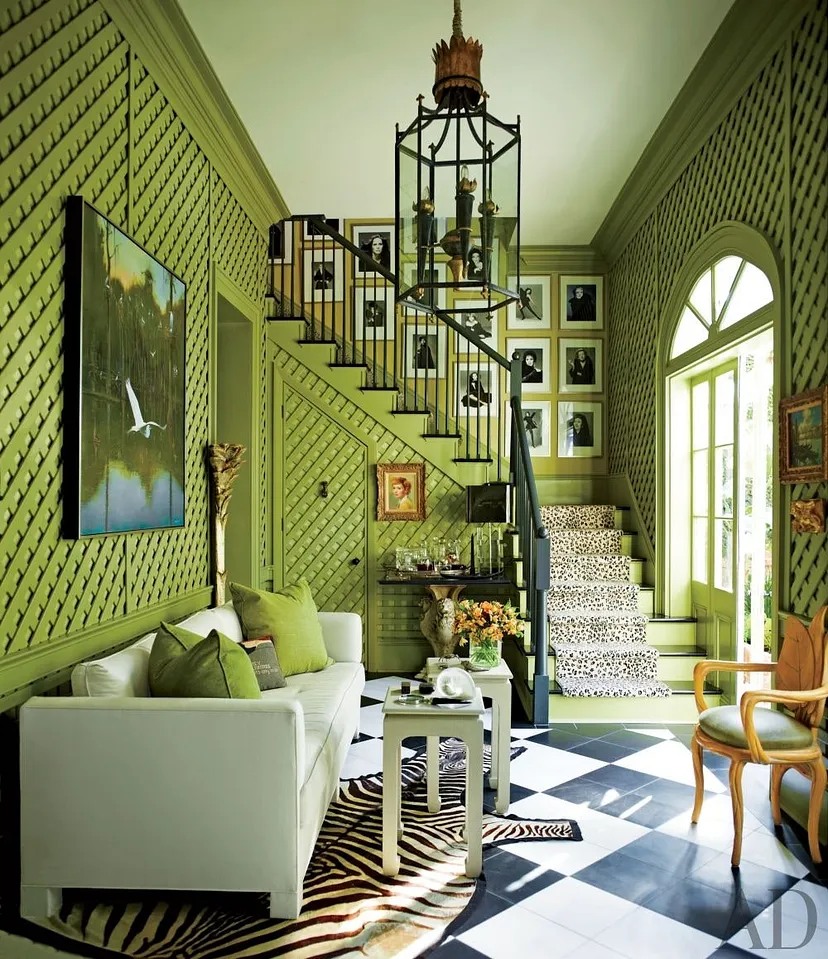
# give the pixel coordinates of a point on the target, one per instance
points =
(125, 368)
(426, 352)
(280, 246)
(434, 297)
(482, 324)
(475, 269)
(537, 421)
(532, 309)
(477, 390)
(374, 313)
(582, 303)
(312, 232)
(535, 361)
(580, 366)
(376, 241)
(323, 276)
(580, 429)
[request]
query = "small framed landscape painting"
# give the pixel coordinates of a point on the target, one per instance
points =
(323, 276)
(401, 492)
(537, 421)
(580, 429)
(803, 437)
(482, 324)
(580, 366)
(375, 315)
(376, 242)
(532, 309)
(125, 363)
(535, 361)
(582, 302)
(477, 390)
(426, 354)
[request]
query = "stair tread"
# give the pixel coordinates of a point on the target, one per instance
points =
(598, 614)
(684, 687)
(628, 687)
(672, 619)
(679, 650)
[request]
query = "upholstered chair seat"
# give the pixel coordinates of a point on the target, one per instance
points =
(775, 730)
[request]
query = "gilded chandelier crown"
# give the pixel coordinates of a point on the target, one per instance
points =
(457, 63)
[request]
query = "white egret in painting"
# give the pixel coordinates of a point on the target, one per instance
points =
(141, 426)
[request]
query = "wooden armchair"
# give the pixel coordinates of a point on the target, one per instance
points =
(768, 736)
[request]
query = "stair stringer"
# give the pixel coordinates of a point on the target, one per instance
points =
(317, 357)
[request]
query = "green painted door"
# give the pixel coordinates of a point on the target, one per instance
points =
(325, 537)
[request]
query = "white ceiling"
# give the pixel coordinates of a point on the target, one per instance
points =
(320, 84)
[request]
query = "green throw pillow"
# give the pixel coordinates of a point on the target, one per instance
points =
(185, 664)
(289, 616)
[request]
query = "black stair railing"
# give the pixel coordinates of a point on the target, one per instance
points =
(435, 364)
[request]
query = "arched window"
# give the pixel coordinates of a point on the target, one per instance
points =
(727, 292)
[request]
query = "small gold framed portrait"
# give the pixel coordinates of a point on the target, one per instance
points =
(401, 491)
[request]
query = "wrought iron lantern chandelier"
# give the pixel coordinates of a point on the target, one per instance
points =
(457, 189)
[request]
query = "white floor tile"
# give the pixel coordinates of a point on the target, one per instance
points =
(819, 896)
(597, 828)
(593, 950)
(365, 759)
(669, 760)
(564, 857)
(542, 767)
(652, 733)
(771, 935)
(765, 849)
(523, 733)
(578, 906)
(518, 932)
(643, 933)
(376, 688)
(714, 833)
(370, 720)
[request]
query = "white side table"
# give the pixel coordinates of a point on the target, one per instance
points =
(463, 722)
(496, 684)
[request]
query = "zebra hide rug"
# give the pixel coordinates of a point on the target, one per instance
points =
(350, 908)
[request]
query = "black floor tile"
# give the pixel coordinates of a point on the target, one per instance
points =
(516, 793)
(728, 951)
(361, 738)
(705, 908)
(514, 878)
(454, 950)
(600, 749)
(674, 855)
(645, 811)
(597, 730)
(367, 701)
(751, 881)
(481, 908)
(629, 878)
(670, 793)
(415, 742)
(631, 739)
(584, 792)
(558, 738)
(620, 778)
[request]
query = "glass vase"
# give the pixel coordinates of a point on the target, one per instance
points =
(484, 655)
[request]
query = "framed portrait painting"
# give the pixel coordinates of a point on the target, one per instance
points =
(376, 241)
(580, 429)
(375, 314)
(125, 363)
(803, 437)
(537, 421)
(582, 302)
(482, 324)
(580, 366)
(535, 361)
(532, 309)
(323, 277)
(426, 352)
(401, 493)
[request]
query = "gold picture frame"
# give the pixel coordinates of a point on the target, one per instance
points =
(803, 437)
(401, 492)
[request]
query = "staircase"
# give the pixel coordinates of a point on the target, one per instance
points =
(611, 658)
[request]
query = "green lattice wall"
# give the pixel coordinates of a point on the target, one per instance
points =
(79, 113)
(765, 165)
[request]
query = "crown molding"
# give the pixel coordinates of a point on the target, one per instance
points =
(162, 37)
(559, 259)
(750, 34)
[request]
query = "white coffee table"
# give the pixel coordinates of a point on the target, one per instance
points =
(496, 684)
(463, 722)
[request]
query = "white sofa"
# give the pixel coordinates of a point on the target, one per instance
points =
(123, 791)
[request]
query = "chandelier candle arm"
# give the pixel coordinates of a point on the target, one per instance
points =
(225, 461)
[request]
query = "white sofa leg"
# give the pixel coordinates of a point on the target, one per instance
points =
(40, 902)
(285, 905)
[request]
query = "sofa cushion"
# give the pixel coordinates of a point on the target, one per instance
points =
(185, 664)
(266, 666)
(289, 616)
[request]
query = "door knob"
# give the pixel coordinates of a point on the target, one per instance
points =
(354, 562)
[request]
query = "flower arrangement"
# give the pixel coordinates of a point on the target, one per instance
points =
(482, 625)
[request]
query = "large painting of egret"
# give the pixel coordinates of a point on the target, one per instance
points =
(125, 370)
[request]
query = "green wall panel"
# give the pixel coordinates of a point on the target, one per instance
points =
(80, 113)
(765, 165)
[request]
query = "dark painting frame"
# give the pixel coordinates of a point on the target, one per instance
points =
(125, 382)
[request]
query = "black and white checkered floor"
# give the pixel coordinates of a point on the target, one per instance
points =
(643, 882)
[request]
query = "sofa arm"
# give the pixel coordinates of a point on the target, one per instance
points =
(160, 793)
(342, 633)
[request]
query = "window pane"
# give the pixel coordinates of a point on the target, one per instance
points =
(700, 550)
(724, 385)
(723, 490)
(701, 412)
(723, 554)
(752, 291)
(724, 273)
(701, 296)
(691, 331)
(700, 483)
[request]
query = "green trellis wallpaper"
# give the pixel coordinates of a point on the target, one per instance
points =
(80, 113)
(765, 165)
